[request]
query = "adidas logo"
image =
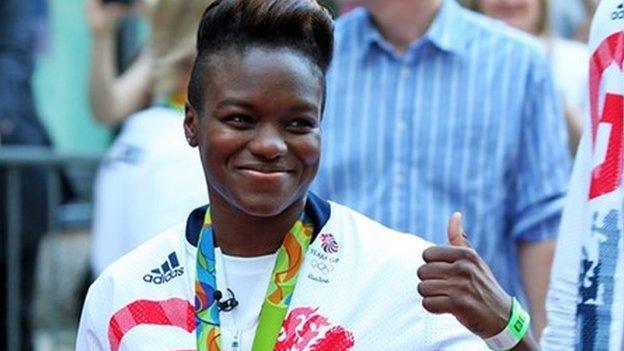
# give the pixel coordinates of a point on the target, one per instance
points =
(167, 271)
(618, 13)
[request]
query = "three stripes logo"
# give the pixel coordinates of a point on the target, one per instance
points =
(618, 13)
(167, 271)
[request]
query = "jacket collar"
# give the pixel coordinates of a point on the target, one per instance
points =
(316, 208)
(446, 32)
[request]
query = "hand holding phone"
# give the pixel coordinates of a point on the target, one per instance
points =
(125, 2)
(103, 16)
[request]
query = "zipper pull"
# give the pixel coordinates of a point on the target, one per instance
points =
(236, 341)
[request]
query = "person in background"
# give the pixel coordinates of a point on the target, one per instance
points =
(585, 301)
(566, 17)
(432, 109)
(113, 97)
(588, 9)
(19, 125)
(149, 179)
(568, 58)
(269, 265)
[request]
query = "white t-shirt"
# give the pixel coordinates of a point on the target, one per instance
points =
(248, 278)
(357, 290)
(569, 60)
(149, 180)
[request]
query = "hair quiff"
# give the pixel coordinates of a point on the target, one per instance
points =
(302, 25)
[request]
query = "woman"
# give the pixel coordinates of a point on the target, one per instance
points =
(568, 58)
(269, 266)
(149, 170)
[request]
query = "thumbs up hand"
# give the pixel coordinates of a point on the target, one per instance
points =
(454, 279)
(455, 232)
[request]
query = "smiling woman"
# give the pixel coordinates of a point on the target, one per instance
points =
(300, 273)
(259, 154)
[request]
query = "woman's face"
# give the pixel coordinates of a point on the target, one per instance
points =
(522, 14)
(258, 131)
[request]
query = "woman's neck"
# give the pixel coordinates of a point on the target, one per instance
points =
(239, 234)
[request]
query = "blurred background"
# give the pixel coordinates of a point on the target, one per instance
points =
(53, 138)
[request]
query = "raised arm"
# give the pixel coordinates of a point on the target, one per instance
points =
(112, 97)
(456, 280)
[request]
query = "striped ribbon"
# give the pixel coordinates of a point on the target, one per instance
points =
(278, 296)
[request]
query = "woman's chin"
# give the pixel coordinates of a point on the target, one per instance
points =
(257, 203)
(263, 206)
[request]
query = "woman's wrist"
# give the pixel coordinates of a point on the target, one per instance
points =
(515, 330)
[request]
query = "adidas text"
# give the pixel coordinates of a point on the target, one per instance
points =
(168, 270)
(163, 278)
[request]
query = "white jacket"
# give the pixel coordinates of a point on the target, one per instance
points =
(367, 300)
(585, 303)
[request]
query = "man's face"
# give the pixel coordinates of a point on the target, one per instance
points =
(259, 129)
(522, 14)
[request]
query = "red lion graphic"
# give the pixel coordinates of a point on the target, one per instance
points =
(304, 329)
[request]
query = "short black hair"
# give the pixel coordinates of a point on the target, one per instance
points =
(301, 25)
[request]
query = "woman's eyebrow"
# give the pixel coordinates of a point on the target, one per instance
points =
(234, 102)
(304, 107)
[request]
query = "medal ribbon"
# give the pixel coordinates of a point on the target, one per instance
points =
(278, 296)
(174, 101)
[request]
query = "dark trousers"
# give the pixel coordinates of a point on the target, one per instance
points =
(34, 223)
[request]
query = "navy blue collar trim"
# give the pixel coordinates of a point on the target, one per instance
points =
(316, 208)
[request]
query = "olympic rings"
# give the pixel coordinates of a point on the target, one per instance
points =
(322, 266)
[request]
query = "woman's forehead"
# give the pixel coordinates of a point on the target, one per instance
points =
(262, 71)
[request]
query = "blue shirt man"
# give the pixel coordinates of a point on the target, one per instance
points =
(432, 109)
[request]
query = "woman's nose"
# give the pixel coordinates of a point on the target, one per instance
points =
(268, 143)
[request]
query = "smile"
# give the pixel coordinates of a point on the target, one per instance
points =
(262, 168)
(265, 172)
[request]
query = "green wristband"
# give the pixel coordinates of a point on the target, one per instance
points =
(516, 328)
(519, 321)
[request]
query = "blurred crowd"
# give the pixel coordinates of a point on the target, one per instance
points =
(432, 107)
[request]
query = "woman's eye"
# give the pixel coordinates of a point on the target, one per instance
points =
(238, 121)
(301, 125)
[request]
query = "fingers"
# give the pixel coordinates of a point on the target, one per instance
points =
(452, 229)
(103, 18)
(437, 304)
(433, 287)
(449, 254)
(455, 231)
(434, 270)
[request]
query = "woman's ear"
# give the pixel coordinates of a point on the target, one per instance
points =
(191, 125)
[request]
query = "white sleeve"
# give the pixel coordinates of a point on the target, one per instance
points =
(563, 296)
(449, 335)
(89, 338)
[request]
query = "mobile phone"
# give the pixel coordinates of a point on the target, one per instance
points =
(127, 2)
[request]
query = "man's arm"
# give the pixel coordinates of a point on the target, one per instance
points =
(535, 264)
(538, 186)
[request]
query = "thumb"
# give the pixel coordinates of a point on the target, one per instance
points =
(455, 231)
